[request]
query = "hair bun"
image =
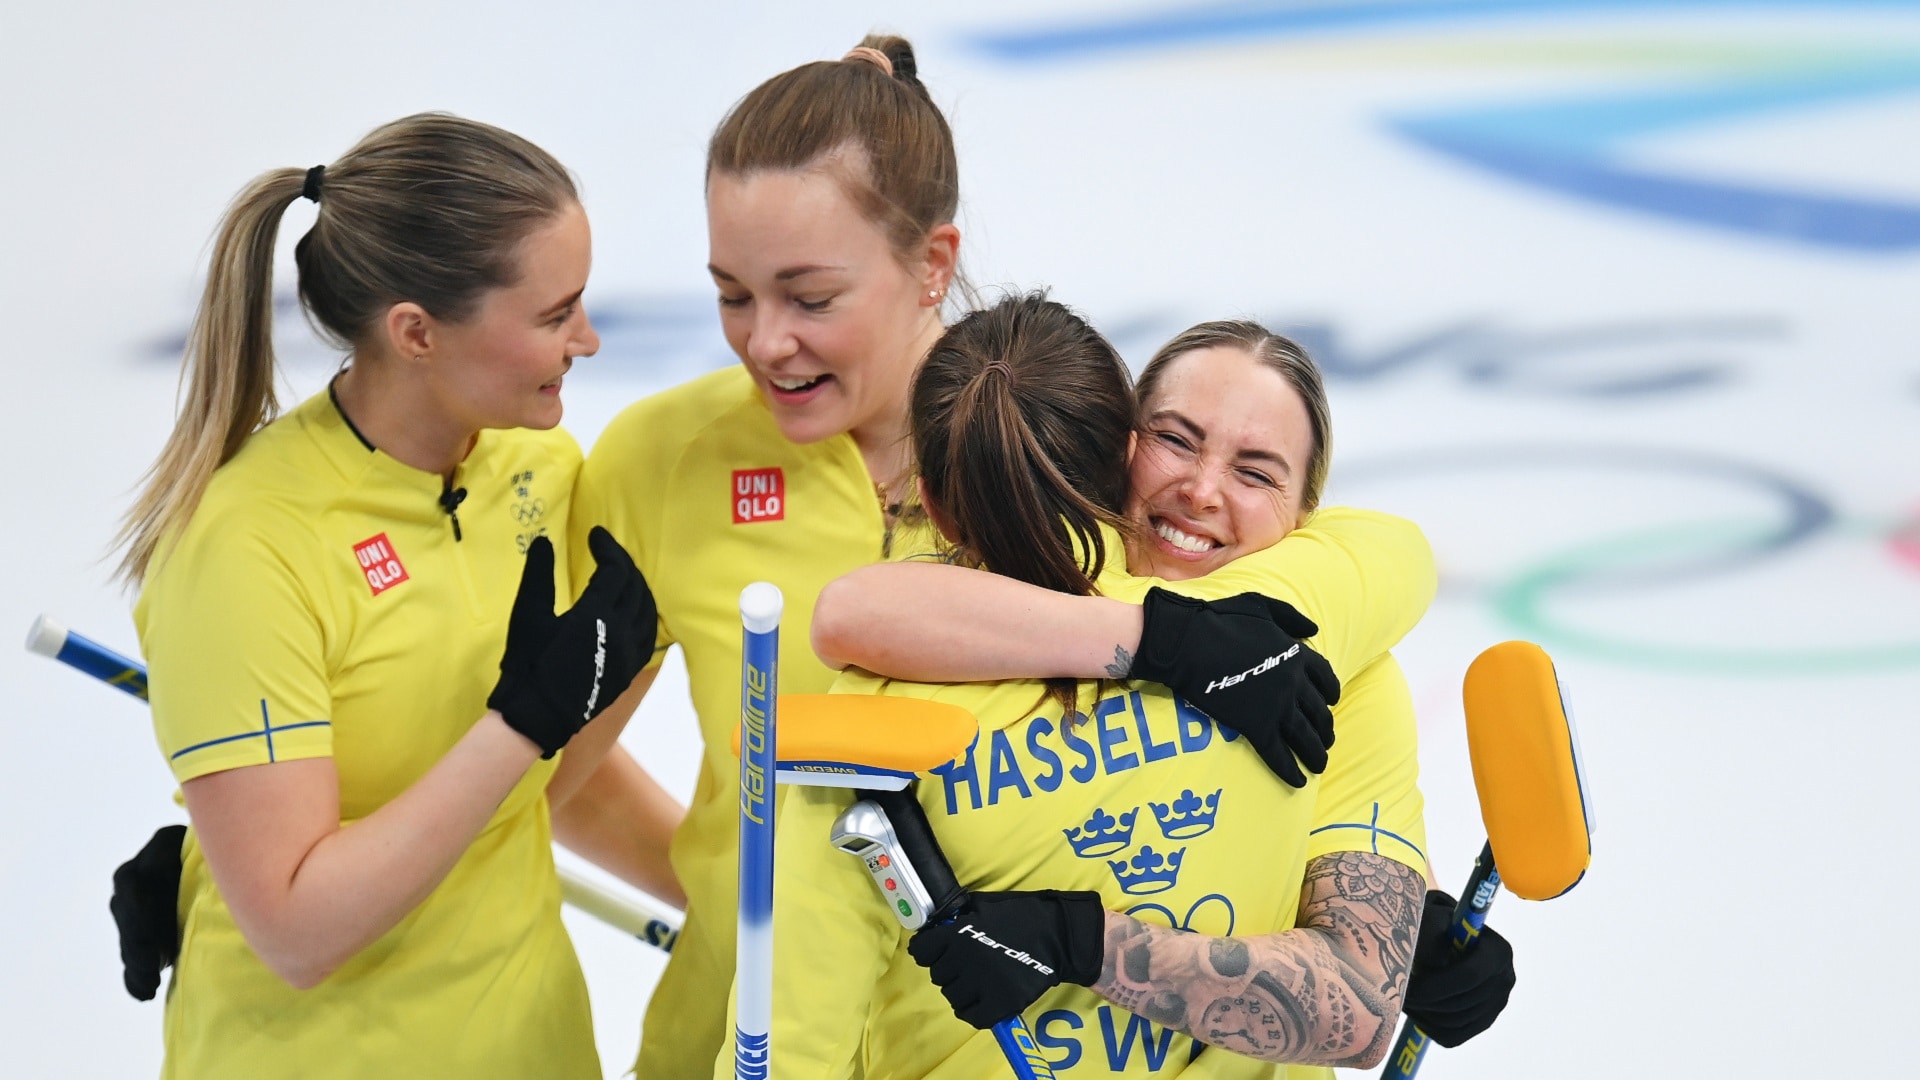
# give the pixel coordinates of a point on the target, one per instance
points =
(898, 51)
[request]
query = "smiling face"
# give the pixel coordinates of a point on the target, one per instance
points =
(815, 302)
(1221, 465)
(504, 363)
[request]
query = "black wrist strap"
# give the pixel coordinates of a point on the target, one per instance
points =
(1086, 937)
(1167, 616)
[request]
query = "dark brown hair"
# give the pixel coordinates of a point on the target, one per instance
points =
(1020, 419)
(879, 132)
(1281, 354)
(430, 209)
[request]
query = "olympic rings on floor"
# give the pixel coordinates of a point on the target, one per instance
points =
(1802, 512)
(1668, 555)
(1523, 604)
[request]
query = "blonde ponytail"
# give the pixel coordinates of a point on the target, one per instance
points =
(227, 383)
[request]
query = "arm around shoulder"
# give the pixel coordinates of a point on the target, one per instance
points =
(933, 622)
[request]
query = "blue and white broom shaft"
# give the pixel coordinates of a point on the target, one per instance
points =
(50, 639)
(1469, 918)
(760, 609)
(1022, 1053)
(921, 849)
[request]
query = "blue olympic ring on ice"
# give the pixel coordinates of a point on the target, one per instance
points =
(1523, 602)
(1674, 553)
(1803, 512)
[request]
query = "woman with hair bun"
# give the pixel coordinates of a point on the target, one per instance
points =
(832, 191)
(360, 705)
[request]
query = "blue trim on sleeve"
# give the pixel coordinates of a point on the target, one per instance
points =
(1373, 828)
(266, 731)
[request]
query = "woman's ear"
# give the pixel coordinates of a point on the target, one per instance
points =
(1133, 443)
(409, 330)
(943, 262)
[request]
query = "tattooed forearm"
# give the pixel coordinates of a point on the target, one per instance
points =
(1122, 663)
(1325, 993)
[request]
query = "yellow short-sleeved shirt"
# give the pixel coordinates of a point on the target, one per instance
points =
(319, 604)
(1108, 805)
(700, 485)
(1146, 801)
(702, 488)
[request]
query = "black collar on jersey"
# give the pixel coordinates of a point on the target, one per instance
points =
(334, 396)
(450, 497)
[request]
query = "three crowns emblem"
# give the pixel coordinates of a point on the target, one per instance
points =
(1187, 816)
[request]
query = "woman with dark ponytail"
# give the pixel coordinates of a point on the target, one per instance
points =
(832, 193)
(361, 709)
(1112, 837)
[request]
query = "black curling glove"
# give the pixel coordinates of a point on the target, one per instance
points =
(560, 671)
(145, 907)
(1454, 996)
(1240, 661)
(1004, 949)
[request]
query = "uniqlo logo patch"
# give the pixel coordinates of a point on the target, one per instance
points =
(759, 495)
(381, 564)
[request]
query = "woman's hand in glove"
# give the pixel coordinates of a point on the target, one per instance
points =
(1004, 949)
(1454, 996)
(559, 671)
(145, 906)
(1241, 661)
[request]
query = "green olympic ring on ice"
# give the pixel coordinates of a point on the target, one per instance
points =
(1522, 602)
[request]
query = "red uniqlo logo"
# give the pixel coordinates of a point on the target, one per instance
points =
(759, 495)
(382, 566)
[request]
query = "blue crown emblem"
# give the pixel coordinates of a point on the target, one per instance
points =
(1188, 816)
(1102, 834)
(1148, 872)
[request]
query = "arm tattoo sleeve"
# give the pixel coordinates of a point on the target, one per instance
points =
(1324, 993)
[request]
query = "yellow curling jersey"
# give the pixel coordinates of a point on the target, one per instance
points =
(319, 604)
(1171, 818)
(701, 487)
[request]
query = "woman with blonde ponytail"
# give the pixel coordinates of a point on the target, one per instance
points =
(360, 706)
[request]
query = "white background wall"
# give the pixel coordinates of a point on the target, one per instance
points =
(1747, 693)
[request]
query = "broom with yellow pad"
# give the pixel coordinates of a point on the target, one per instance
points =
(1533, 801)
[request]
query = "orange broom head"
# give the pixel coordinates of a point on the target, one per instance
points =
(903, 734)
(1526, 767)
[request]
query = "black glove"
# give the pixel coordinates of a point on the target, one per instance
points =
(145, 906)
(1454, 996)
(560, 671)
(1240, 661)
(1004, 949)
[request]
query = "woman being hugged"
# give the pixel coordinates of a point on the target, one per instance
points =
(831, 195)
(361, 710)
